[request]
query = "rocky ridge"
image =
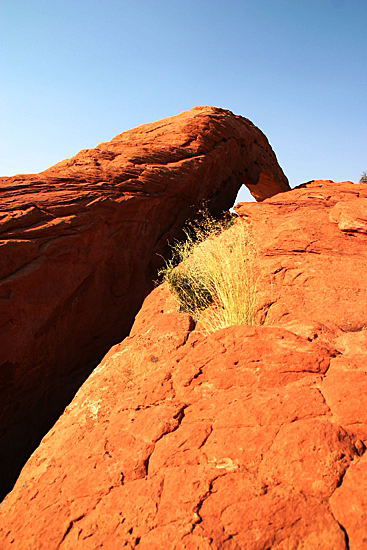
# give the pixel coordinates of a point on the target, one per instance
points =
(80, 244)
(253, 437)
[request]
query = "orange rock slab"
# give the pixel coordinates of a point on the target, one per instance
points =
(253, 437)
(80, 244)
(149, 455)
(312, 265)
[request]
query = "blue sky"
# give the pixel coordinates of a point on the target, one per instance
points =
(74, 73)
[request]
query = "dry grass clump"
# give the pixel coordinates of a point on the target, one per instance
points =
(213, 271)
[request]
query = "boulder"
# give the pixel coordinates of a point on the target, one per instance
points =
(253, 437)
(80, 244)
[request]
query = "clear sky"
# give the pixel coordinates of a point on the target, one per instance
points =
(74, 73)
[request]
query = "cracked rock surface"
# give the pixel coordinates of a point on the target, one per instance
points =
(80, 244)
(251, 438)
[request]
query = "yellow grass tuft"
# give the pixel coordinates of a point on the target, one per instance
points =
(214, 279)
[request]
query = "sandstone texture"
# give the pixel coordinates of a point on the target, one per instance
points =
(251, 438)
(80, 245)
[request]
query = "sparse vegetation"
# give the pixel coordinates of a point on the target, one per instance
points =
(363, 178)
(211, 273)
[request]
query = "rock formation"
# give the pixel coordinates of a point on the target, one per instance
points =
(253, 437)
(80, 244)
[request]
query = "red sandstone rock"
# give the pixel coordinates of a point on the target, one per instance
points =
(80, 244)
(349, 504)
(251, 438)
(314, 265)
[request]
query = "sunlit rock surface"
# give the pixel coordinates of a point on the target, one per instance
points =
(253, 437)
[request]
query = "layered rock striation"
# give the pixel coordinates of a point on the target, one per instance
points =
(253, 437)
(80, 244)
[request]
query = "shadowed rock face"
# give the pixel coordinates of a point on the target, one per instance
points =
(81, 243)
(253, 437)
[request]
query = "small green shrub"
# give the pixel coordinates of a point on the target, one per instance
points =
(212, 271)
(363, 178)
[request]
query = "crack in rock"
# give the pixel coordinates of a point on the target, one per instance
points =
(199, 505)
(179, 417)
(69, 528)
